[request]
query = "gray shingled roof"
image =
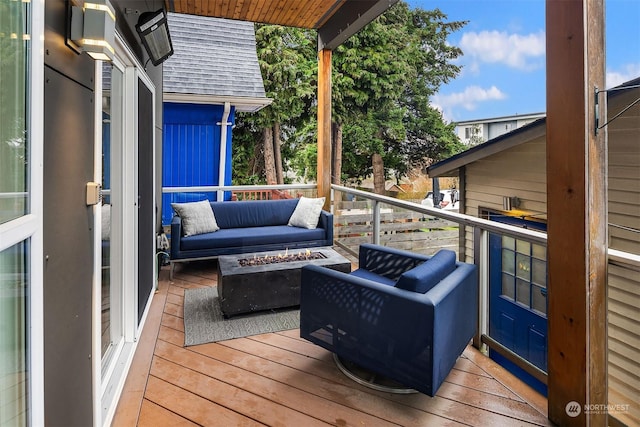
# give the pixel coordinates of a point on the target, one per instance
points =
(212, 58)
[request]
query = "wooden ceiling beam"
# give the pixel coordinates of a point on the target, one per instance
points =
(351, 18)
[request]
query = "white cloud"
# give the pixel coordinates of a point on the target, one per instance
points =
(524, 52)
(628, 72)
(468, 99)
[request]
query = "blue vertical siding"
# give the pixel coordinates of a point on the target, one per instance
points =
(191, 152)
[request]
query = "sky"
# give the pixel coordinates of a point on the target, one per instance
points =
(503, 62)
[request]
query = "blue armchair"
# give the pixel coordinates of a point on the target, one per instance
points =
(402, 315)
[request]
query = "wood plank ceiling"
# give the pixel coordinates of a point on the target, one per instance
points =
(334, 20)
(291, 13)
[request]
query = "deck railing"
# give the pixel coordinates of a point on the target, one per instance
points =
(361, 216)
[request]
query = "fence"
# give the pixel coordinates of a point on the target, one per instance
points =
(399, 228)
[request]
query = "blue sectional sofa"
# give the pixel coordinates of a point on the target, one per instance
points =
(249, 226)
(405, 316)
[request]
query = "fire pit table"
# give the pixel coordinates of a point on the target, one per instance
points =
(268, 281)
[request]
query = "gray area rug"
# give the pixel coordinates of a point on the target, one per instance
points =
(204, 322)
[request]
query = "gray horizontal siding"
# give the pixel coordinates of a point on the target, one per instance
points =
(624, 174)
(624, 341)
(519, 171)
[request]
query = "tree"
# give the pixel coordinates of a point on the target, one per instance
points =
(383, 78)
(287, 62)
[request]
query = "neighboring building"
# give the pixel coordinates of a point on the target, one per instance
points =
(213, 74)
(505, 179)
(391, 188)
(474, 132)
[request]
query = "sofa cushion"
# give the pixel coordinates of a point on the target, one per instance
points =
(429, 273)
(252, 236)
(254, 213)
(307, 212)
(197, 217)
(366, 274)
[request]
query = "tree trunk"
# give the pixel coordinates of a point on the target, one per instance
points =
(378, 173)
(269, 162)
(337, 156)
(257, 162)
(277, 153)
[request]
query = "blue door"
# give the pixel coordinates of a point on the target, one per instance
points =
(518, 298)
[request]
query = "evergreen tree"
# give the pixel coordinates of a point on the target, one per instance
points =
(385, 76)
(287, 59)
(382, 80)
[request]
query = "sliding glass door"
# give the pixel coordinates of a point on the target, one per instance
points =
(18, 218)
(111, 212)
(125, 118)
(14, 326)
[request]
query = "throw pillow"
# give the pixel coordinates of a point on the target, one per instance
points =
(428, 274)
(197, 217)
(307, 212)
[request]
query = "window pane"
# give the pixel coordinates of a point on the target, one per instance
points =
(539, 252)
(106, 204)
(538, 299)
(508, 286)
(14, 292)
(508, 262)
(509, 243)
(523, 292)
(14, 46)
(112, 114)
(539, 275)
(523, 247)
(523, 267)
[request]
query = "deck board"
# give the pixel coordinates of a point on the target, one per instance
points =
(174, 310)
(152, 415)
(280, 379)
(243, 402)
(191, 406)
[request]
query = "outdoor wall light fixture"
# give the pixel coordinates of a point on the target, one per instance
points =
(154, 33)
(509, 203)
(92, 29)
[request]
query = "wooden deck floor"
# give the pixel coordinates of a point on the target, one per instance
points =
(279, 379)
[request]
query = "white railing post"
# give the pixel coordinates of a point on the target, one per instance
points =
(482, 261)
(376, 222)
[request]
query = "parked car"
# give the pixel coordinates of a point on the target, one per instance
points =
(449, 200)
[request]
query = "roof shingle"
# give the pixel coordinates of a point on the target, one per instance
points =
(212, 56)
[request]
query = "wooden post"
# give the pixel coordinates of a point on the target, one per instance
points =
(577, 214)
(324, 126)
